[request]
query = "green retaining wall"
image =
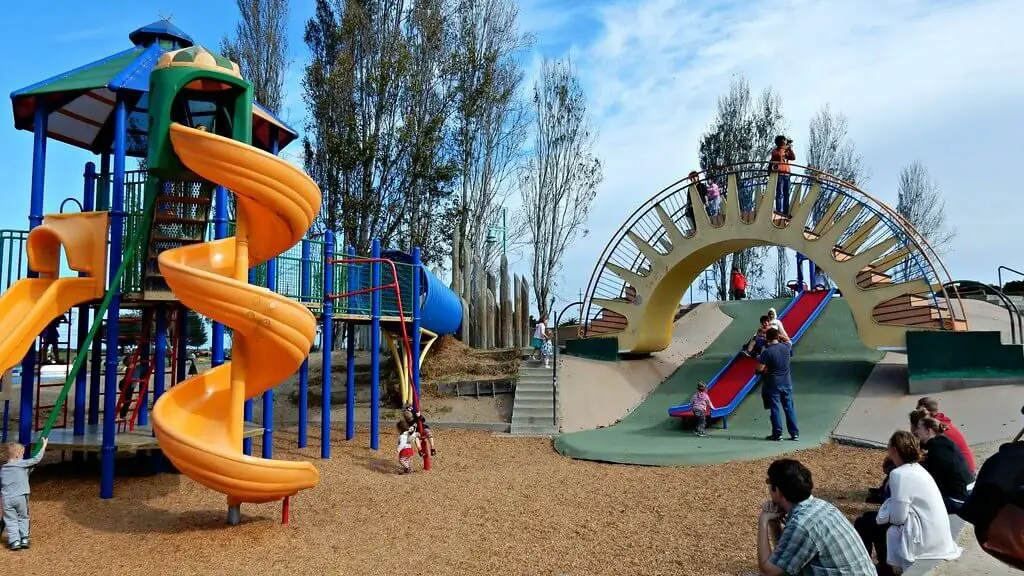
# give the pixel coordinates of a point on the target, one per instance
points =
(602, 348)
(940, 355)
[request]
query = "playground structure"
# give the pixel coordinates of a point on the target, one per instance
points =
(891, 277)
(189, 113)
(737, 378)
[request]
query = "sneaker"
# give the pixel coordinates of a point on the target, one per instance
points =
(794, 437)
(773, 438)
(25, 544)
(433, 452)
(14, 547)
(702, 434)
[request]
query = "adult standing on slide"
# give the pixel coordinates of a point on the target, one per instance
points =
(777, 385)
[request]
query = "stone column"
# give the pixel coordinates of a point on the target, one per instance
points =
(517, 317)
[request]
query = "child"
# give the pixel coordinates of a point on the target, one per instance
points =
(702, 407)
(14, 490)
(775, 322)
(411, 417)
(714, 201)
(540, 335)
(408, 442)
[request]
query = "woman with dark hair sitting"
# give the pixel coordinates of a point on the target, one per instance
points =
(943, 461)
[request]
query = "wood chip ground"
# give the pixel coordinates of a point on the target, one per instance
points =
(492, 505)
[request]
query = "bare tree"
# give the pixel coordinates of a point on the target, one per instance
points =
(919, 200)
(830, 150)
(743, 130)
(260, 47)
(562, 176)
(491, 121)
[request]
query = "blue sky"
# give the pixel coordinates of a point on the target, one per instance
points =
(936, 81)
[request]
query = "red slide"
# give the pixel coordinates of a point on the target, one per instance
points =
(732, 383)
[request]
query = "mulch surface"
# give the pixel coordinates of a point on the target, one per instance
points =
(492, 505)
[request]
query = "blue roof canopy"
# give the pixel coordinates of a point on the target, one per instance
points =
(80, 103)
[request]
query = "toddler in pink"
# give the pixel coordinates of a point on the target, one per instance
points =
(702, 407)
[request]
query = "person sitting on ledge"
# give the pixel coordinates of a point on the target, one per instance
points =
(811, 535)
(932, 406)
(943, 461)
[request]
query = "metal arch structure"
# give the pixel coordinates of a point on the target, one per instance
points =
(890, 275)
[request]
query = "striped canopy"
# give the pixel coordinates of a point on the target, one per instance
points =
(81, 102)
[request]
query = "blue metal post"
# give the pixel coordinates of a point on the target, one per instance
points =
(95, 383)
(160, 354)
(304, 289)
(326, 345)
(114, 312)
(350, 358)
(220, 230)
(268, 396)
(247, 408)
(375, 347)
(35, 218)
(103, 195)
(182, 348)
(144, 360)
(417, 270)
(799, 272)
(78, 416)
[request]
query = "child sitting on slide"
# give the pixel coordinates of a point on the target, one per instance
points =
(757, 342)
(411, 418)
(408, 444)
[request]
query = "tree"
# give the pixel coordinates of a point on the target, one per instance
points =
(830, 150)
(490, 122)
(743, 130)
(562, 175)
(920, 202)
(196, 330)
(260, 48)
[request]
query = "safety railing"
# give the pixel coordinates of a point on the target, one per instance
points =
(915, 258)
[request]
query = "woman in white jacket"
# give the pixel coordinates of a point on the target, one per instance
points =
(914, 511)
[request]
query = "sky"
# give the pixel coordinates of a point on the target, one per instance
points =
(939, 81)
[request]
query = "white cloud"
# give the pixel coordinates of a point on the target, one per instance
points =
(937, 81)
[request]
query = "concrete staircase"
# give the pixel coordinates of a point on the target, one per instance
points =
(533, 408)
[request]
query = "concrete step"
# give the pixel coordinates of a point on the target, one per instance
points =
(523, 411)
(534, 384)
(532, 402)
(533, 430)
(524, 393)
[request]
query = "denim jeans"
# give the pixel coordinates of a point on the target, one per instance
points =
(781, 400)
(782, 194)
(702, 420)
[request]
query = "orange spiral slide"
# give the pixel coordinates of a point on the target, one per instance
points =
(199, 422)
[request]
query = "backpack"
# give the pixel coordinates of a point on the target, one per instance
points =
(996, 505)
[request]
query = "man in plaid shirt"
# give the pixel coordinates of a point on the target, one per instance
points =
(812, 537)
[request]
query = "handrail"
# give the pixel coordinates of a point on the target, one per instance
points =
(112, 289)
(897, 224)
(393, 285)
(999, 274)
(1011, 308)
(554, 360)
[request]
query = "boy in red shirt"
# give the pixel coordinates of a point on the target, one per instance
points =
(739, 284)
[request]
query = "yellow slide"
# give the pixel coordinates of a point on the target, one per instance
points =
(198, 422)
(31, 303)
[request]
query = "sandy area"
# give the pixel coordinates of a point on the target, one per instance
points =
(595, 394)
(492, 505)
